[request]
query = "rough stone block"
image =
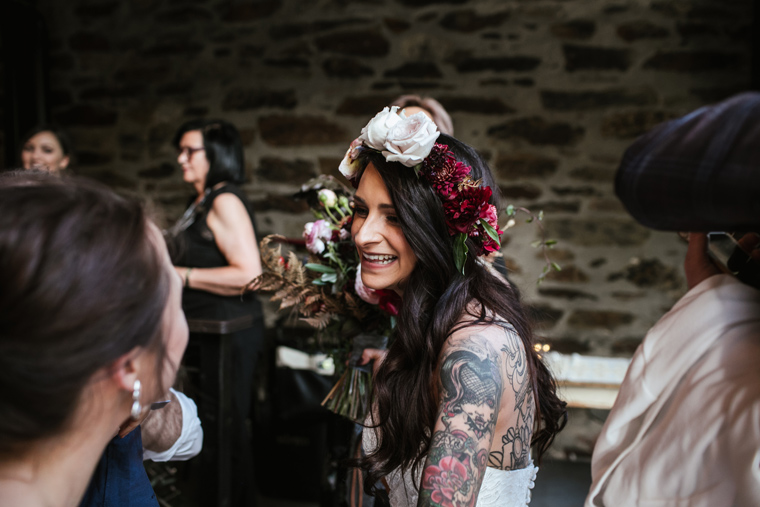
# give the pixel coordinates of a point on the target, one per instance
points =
(569, 274)
(86, 116)
(538, 131)
(558, 206)
(569, 294)
(544, 317)
(278, 169)
(126, 91)
(692, 9)
(246, 99)
(569, 346)
(524, 165)
(694, 61)
(396, 25)
(236, 12)
(364, 105)
(355, 42)
(131, 147)
(596, 231)
(637, 30)
(183, 15)
(520, 191)
(475, 105)
(594, 174)
(90, 158)
(595, 58)
(346, 68)
(556, 254)
(415, 70)
(585, 191)
(160, 171)
(577, 29)
(113, 179)
(90, 10)
(650, 274)
(424, 3)
(275, 202)
(329, 165)
(497, 63)
(711, 94)
(468, 21)
(89, 42)
(606, 205)
(605, 319)
(279, 130)
(691, 30)
(173, 48)
(593, 99)
(632, 124)
(625, 347)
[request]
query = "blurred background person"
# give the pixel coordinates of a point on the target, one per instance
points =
(411, 104)
(217, 254)
(684, 428)
(99, 357)
(46, 148)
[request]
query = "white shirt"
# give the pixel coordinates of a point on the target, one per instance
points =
(190, 441)
(685, 428)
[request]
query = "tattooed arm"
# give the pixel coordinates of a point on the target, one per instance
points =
(470, 384)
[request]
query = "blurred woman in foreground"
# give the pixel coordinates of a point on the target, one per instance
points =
(91, 331)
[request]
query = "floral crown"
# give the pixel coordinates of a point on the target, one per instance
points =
(411, 142)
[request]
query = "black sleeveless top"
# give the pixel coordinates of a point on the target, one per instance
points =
(196, 247)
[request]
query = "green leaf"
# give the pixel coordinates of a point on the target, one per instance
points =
(550, 242)
(536, 243)
(330, 277)
(490, 230)
(319, 268)
(417, 169)
(556, 266)
(510, 210)
(460, 251)
(529, 220)
(541, 215)
(318, 282)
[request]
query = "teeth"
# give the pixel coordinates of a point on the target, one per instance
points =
(380, 259)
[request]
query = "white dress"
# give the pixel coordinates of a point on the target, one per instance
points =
(502, 488)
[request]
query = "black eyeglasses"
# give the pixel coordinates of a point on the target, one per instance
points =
(188, 152)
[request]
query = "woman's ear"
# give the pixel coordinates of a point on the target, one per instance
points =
(125, 370)
(65, 162)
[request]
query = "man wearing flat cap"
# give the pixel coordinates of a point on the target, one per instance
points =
(685, 428)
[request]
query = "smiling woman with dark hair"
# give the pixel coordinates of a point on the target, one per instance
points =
(461, 395)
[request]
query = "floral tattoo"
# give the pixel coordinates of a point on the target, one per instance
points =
(471, 396)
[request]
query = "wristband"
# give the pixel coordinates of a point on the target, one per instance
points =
(187, 277)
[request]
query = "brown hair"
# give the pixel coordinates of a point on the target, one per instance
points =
(81, 284)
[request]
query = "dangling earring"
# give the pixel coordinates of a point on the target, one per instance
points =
(136, 407)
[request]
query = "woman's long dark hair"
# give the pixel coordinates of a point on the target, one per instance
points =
(435, 297)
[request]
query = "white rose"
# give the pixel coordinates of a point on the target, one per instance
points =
(327, 197)
(410, 140)
(375, 132)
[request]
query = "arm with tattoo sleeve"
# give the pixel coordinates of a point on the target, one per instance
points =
(470, 386)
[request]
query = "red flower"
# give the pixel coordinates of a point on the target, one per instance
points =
(464, 212)
(443, 172)
(445, 480)
(389, 301)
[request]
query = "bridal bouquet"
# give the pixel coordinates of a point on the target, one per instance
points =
(326, 291)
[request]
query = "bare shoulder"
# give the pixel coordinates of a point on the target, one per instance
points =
(228, 203)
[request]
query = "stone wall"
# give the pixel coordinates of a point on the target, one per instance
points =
(552, 91)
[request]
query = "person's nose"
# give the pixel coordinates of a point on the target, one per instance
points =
(368, 233)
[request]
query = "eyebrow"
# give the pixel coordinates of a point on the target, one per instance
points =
(381, 206)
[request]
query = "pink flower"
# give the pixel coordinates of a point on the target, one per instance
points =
(490, 215)
(364, 292)
(316, 233)
(349, 166)
(445, 480)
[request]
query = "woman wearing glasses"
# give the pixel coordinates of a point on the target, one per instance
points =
(216, 254)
